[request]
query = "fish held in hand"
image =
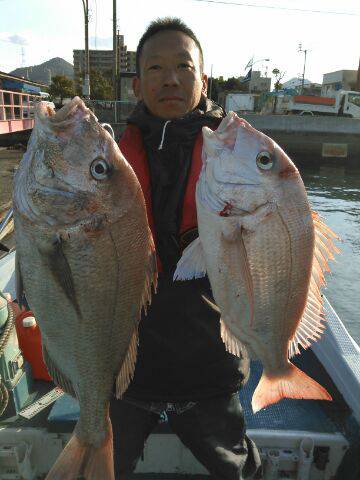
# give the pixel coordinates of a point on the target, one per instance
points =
(86, 262)
(265, 253)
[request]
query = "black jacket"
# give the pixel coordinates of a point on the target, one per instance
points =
(181, 356)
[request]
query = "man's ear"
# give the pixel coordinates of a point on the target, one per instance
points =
(136, 84)
(204, 83)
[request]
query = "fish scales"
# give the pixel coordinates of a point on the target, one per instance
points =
(260, 244)
(87, 270)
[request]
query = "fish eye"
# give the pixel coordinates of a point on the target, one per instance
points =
(264, 160)
(99, 169)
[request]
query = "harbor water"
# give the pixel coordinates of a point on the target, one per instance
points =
(334, 192)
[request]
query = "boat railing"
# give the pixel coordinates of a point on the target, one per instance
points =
(6, 228)
(6, 221)
(16, 110)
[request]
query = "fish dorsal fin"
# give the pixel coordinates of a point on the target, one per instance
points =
(192, 263)
(127, 368)
(312, 325)
(150, 278)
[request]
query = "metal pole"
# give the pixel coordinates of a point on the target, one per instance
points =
(211, 82)
(303, 75)
(86, 82)
(115, 60)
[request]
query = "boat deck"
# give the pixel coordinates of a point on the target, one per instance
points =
(280, 428)
(298, 415)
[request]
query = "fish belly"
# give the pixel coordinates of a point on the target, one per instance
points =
(86, 338)
(279, 255)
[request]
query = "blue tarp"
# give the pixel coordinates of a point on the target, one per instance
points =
(19, 85)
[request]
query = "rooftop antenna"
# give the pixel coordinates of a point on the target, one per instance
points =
(115, 55)
(300, 49)
(22, 56)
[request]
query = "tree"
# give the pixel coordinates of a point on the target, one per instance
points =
(278, 76)
(61, 87)
(100, 85)
(232, 84)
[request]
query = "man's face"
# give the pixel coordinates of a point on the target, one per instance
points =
(171, 82)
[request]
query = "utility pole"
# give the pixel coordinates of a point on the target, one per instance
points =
(358, 78)
(115, 61)
(211, 82)
(115, 53)
(86, 81)
(303, 75)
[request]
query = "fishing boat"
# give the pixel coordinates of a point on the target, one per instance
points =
(297, 439)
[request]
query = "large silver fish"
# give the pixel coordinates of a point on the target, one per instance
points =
(87, 263)
(265, 253)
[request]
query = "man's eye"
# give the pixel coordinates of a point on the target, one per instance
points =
(185, 65)
(154, 67)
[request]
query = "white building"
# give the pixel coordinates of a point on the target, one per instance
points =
(310, 88)
(340, 80)
(295, 83)
(258, 83)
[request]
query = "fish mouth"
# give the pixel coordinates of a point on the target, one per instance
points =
(247, 184)
(230, 180)
(63, 191)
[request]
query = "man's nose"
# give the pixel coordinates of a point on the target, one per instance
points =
(170, 77)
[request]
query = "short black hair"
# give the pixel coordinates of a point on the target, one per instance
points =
(165, 24)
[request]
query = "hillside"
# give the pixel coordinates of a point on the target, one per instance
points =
(40, 73)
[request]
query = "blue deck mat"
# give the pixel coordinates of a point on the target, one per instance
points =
(65, 409)
(303, 415)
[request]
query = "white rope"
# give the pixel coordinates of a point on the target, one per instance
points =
(4, 337)
(163, 134)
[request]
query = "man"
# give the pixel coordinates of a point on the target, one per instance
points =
(182, 366)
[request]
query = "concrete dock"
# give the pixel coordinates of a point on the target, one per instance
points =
(304, 137)
(320, 137)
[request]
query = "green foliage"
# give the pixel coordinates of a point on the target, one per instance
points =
(278, 76)
(100, 85)
(220, 85)
(61, 87)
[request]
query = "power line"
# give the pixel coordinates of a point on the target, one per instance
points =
(278, 8)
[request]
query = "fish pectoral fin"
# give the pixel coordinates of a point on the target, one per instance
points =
(56, 374)
(61, 271)
(192, 263)
(19, 281)
(211, 304)
(235, 258)
(127, 368)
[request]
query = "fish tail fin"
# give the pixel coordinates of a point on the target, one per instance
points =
(293, 384)
(83, 460)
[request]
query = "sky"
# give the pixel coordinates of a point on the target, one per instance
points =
(231, 32)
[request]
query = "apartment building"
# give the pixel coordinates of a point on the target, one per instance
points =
(131, 61)
(103, 60)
